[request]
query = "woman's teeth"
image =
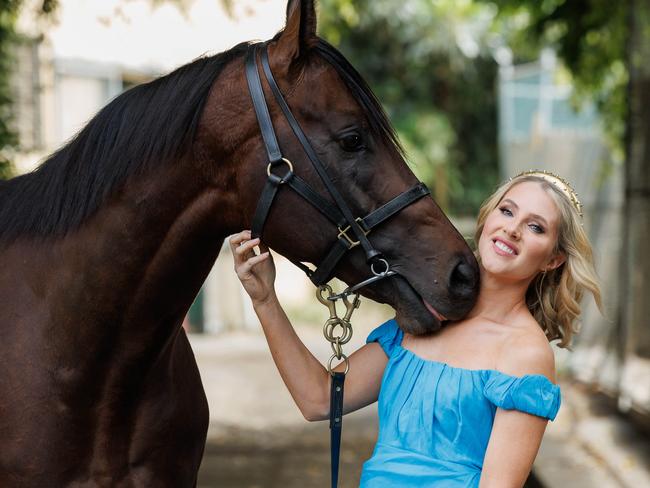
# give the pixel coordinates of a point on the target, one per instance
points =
(503, 247)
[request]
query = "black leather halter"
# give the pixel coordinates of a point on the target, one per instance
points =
(339, 213)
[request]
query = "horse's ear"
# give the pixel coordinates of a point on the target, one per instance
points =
(300, 30)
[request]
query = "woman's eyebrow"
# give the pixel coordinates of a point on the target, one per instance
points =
(537, 216)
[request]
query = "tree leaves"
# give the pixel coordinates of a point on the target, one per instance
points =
(431, 66)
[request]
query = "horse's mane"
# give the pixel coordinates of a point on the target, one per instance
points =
(147, 126)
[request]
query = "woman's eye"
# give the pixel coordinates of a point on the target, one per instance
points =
(351, 142)
(537, 229)
(505, 211)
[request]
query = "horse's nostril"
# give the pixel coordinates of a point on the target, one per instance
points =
(463, 276)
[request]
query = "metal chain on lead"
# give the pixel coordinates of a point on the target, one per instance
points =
(337, 330)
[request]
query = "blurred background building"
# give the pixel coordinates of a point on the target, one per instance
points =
(478, 91)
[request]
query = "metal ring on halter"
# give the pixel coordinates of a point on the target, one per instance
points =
(354, 289)
(345, 358)
(381, 260)
(287, 162)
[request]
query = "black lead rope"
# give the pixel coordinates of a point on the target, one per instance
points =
(336, 423)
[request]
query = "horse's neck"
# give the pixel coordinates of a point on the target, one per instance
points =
(131, 271)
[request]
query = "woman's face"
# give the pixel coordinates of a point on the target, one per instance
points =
(520, 234)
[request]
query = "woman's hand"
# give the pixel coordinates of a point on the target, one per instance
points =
(256, 272)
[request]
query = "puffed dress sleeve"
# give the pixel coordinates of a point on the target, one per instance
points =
(388, 335)
(534, 394)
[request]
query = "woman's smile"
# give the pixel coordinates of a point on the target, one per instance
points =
(504, 248)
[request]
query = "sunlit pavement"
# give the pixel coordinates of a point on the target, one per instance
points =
(258, 439)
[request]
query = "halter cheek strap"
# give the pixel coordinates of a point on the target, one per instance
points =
(351, 231)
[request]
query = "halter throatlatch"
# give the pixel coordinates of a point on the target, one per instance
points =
(352, 231)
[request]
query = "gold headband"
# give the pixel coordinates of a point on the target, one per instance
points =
(559, 183)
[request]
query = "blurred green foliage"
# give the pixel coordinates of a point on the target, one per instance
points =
(9, 10)
(8, 139)
(590, 36)
(429, 64)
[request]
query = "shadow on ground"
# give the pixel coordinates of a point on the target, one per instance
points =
(286, 457)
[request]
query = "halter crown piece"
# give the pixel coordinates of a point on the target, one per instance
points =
(559, 183)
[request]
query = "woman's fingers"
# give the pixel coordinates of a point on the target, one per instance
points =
(245, 248)
(236, 239)
(256, 259)
(247, 266)
(242, 247)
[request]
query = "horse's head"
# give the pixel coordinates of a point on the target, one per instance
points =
(352, 137)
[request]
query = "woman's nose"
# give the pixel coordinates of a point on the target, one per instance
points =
(512, 231)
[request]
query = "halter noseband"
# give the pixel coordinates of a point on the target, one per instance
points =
(339, 213)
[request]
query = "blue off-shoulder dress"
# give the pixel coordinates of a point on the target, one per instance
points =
(435, 420)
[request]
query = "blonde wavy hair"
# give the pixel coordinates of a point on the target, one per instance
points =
(554, 297)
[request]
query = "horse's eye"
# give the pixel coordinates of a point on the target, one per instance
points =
(351, 142)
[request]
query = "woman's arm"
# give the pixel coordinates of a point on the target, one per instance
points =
(513, 445)
(305, 377)
(516, 435)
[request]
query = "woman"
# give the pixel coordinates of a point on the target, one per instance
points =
(468, 405)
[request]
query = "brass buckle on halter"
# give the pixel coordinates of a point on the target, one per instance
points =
(343, 233)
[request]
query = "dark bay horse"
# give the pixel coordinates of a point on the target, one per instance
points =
(105, 245)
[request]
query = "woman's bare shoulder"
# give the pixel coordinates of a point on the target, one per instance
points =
(526, 350)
